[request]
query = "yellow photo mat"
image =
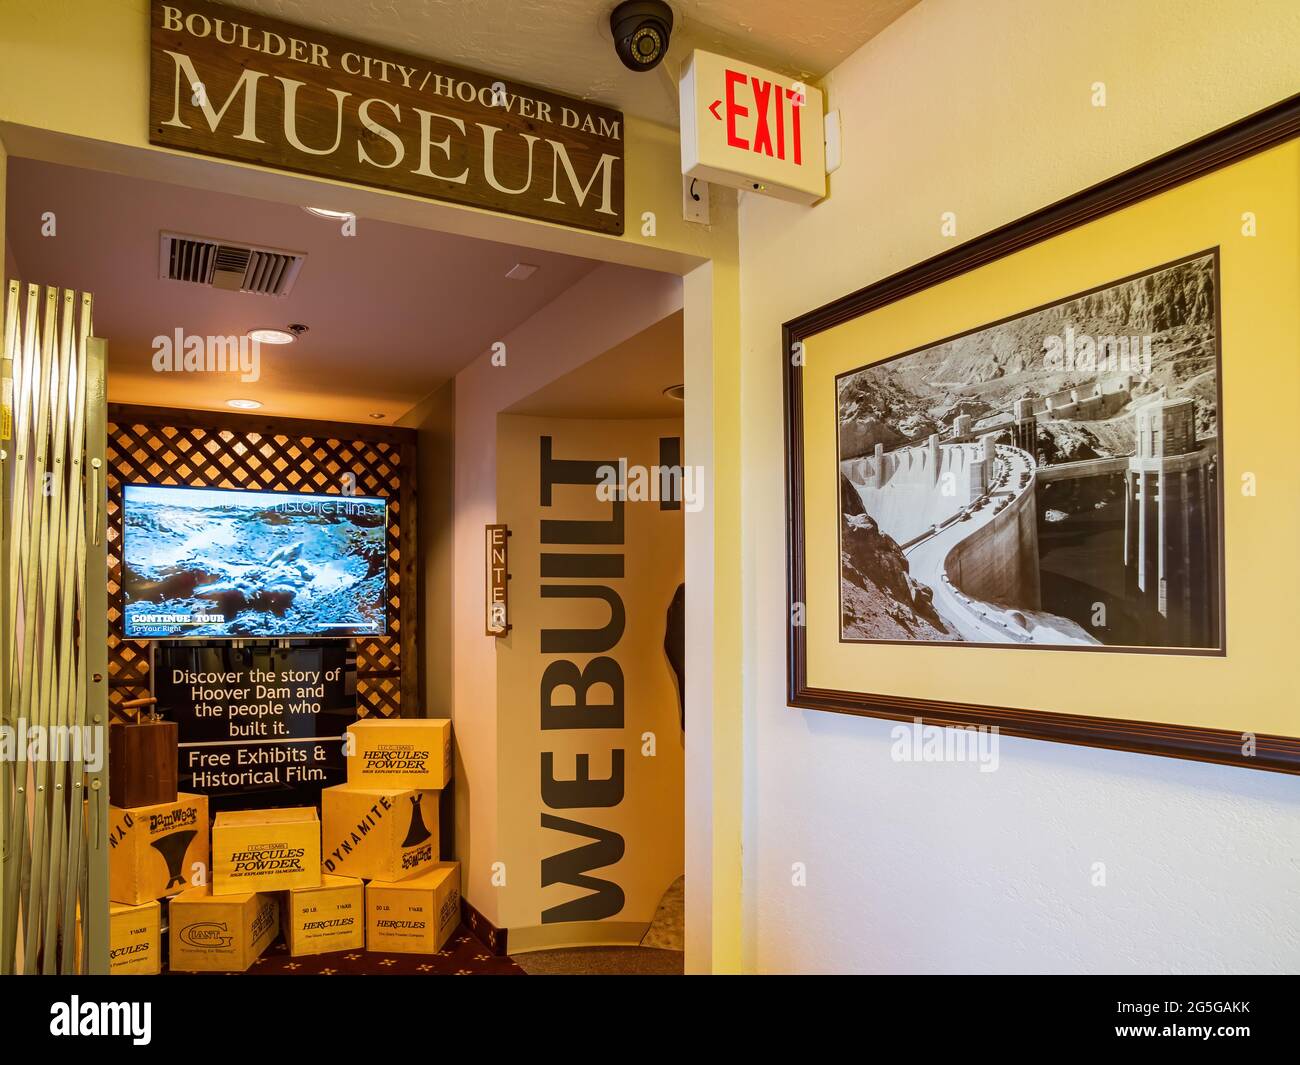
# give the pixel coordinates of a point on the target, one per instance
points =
(1250, 212)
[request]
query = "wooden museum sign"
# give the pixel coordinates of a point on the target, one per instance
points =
(228, 83)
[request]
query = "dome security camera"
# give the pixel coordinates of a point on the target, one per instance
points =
(641, 29)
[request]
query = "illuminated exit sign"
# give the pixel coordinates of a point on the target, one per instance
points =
(752, 129)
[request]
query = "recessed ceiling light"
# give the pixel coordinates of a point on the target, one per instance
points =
(243, 404)
(325, 212)
(675, 392)
(521, 271)
(379, 417)
(272, 336)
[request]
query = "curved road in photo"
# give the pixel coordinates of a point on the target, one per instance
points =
(926, 557)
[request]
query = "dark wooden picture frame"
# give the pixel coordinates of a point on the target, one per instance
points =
(1265, 129)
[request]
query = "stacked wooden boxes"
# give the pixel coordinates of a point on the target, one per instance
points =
(382, 826)
(157, 841)
(220, 933)
(255, 853)
(365, 872)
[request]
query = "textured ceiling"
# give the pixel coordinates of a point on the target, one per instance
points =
(393, 311)
(565, 45)
(627, 381)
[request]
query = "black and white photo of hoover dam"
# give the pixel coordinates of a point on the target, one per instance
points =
(1049, 480)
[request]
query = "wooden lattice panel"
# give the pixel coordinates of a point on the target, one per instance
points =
(152, 445)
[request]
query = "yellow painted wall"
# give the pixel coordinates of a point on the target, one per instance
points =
(593, 316)
(979, 109)
(985, 110)
(717, 564)
(649, 817)
(1259, 277)
(6, 255)
(73, 89)
(80, 67)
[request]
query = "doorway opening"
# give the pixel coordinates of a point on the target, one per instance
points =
(403, 364)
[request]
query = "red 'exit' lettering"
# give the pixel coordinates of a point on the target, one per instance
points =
(768, 100)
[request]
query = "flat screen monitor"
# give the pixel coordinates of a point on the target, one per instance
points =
(202, 563)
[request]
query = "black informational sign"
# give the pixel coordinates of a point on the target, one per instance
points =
(257, 726)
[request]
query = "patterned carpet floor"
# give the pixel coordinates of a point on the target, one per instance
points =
(602, 961)
(464, 955)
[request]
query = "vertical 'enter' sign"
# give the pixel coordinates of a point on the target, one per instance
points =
(498, 579)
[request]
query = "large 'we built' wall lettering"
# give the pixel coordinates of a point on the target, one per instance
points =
(579, 549)
(590, 748)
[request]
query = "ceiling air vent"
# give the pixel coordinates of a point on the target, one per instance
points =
(229, 266)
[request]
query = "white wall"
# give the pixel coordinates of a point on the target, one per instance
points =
(604, 308)
(649, 815)
(985, 109)
(434, 419)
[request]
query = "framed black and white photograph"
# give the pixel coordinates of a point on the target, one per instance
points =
(1060, 437)
(1048, 480)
